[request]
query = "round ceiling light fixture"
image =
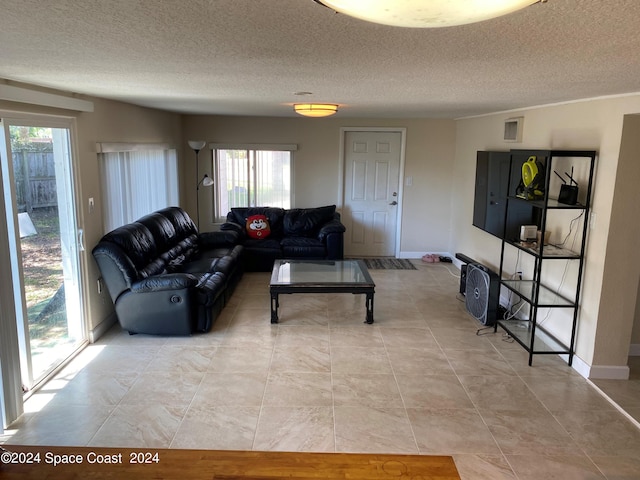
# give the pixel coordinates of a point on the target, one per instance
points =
(426, 13)
(315, 109)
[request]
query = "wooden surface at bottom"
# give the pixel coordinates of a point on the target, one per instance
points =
(53, 463)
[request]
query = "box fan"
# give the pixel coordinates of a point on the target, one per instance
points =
(482, 293)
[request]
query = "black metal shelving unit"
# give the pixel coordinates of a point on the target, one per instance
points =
(529, 333)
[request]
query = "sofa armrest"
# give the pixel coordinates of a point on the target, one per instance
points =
(232, 226)
(334, 226)
(171, 281)
(225, 238)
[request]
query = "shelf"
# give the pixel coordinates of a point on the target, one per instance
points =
(550, 251)
(546, 297)
(551, 203)
(543, 342)
(534, 292)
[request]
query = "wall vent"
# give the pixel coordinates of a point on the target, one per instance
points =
(513, 129)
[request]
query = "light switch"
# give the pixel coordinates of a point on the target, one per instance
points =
(408, 181)
(91, 204)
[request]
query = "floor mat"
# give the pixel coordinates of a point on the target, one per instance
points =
(387, 263)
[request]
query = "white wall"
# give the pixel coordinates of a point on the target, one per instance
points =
(594, 124)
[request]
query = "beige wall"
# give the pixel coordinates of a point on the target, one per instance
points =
(429, 161)
(109, 122)
(622, 273)
(635, 333)
(594, 124)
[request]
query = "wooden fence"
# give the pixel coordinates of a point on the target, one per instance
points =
(35, 178)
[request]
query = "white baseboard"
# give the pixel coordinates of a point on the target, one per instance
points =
(419, 255)
(102, 328)
(414, 255)
(634, 350)
(578, 365)
(602, 372)
(609, 372)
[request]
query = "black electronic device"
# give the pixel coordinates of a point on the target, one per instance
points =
(568, 192)
(531, 186)
(482, 296)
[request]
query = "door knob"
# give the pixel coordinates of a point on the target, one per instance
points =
(393, 203)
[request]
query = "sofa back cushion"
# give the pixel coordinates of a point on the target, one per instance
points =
(181, 221)
(173, 250)
(155, 244)
(306, 222)
(162, 230)
(127, 255)
(185, 246)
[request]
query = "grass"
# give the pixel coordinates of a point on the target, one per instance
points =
(43, 279)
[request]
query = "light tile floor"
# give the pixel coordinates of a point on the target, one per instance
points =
(418, 381)
(626, 393)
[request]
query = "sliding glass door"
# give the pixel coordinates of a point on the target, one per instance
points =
(44, 243)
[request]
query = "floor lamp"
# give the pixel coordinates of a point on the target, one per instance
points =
(206, 180)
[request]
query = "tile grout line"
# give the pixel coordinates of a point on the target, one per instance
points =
(266, 384)
(404, 405)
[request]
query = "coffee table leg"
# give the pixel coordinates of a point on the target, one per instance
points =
(369, 305)
(274, 308)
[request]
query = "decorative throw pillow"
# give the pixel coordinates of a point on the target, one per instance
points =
(258, 226)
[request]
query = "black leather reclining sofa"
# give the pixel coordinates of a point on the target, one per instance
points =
(166, 278)
(310, 233)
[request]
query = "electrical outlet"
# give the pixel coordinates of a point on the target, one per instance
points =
(592, 220)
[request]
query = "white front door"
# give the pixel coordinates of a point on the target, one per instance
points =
(371, 192)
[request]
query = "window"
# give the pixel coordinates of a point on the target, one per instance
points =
(136, 180)
(247, 177)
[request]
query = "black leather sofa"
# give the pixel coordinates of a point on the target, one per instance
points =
(313, 233)
(166, 278)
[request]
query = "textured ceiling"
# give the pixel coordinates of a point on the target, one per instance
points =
(249, 57)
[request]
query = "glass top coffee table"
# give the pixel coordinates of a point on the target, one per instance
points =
(321, 276)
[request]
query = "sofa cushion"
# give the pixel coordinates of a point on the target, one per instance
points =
(266, 244)
(306, 222)
(202, 265)
(295, 247)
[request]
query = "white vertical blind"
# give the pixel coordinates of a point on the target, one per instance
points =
(137, 182)
(273, 178)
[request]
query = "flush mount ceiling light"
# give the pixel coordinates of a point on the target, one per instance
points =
(315, 109)
(426, 13)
